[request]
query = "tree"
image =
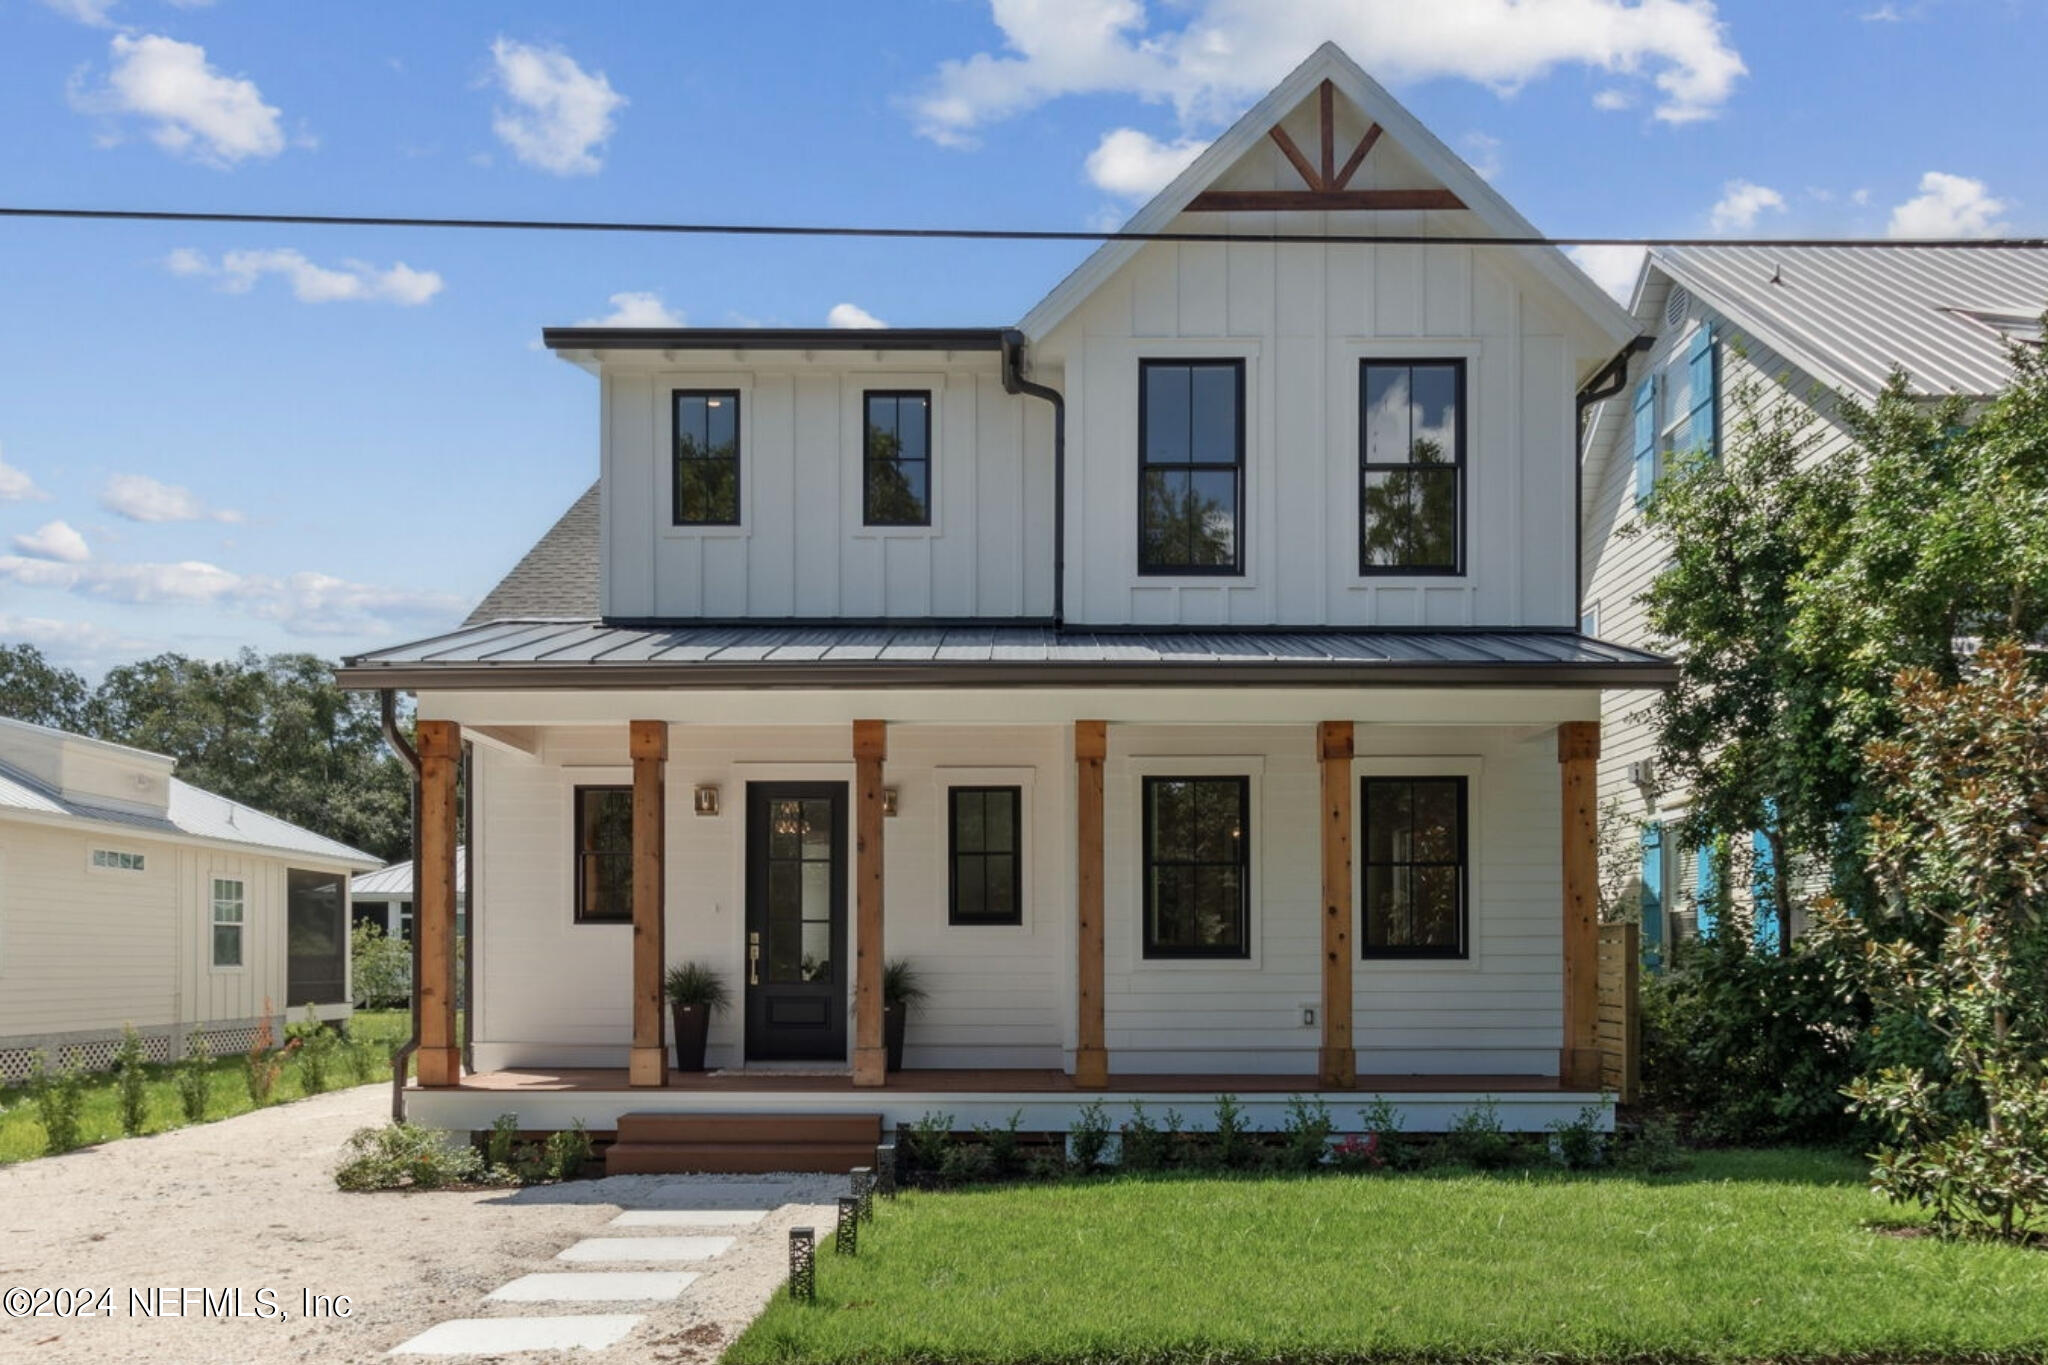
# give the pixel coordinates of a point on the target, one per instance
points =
(380, 967)
(35, 690)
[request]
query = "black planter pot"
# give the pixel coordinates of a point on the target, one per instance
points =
(693, 1026)
(893, 1017)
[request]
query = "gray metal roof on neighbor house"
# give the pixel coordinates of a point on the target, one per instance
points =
(1855, 312)
(590, 654)
(394, 883)
(557, 577)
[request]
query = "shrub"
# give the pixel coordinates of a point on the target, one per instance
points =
(501, 1141)
(362, 1059)
(1088, 1139)
(1382, 1122)
(380, 967)
(1653, 1149)
(925, 1141)
(1046, 1163)
(1578, 1144)
(1357, 1152)
(1141, 1146)
(1001, 1142)
(403, 1156)
(262, 1065)
(131, 1081)
(1308, 1131)
(317, 1046)
(1232, 1148)
(1477, 1138)
(194, 1077)
(965, 1163)
(59, 1098)
(566, 1151)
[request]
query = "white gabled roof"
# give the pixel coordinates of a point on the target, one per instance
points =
(1329, 62)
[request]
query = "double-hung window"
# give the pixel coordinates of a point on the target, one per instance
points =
(896, 458)
(230, 913)
(604, 855)
(986, 839)
(1415, 866)
(1190, 466)
(1411, 466)
(707, 457)
(1197, 866)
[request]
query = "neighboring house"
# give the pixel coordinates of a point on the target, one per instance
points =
(1186, 680)
(384, 897)
(130, 897)
(1801, 325)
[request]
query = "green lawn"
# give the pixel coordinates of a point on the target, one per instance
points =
(1748, 1256)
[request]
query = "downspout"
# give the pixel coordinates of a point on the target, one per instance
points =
(1015, 382)
(1611, 379)
(467, 902)
(401, 1060)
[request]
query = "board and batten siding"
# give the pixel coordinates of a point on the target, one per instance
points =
(801, 549)
(84, 947)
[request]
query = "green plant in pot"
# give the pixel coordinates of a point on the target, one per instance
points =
(902, 991)
(695, 993)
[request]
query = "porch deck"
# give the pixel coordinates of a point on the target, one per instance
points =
(580, 1080)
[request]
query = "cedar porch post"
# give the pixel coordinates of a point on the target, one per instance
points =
(1578, 757)
(649, 746)
(1091, 1056)
(870, 1053)
(1337, 1064)
(439, 744)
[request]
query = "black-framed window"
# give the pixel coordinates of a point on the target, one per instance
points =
(1411, 466)
(1197, 866)
(1416, 866)
(896, 457)
(986, 844)
(707, 456)
(1190, 466)
(604, 855)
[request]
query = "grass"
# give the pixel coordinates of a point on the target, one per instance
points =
(21, 1130)
(1761, 1255)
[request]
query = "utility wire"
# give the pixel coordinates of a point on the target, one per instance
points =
(984, 234)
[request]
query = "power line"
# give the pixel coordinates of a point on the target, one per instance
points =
(982, 234)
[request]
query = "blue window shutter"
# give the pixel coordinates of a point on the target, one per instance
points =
(1764, 894)
(1702, 432)
(1705, 892)
(1652, 877)
(1646, 439)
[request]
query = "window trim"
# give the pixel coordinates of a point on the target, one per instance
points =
(675, 460)
(214, 923)
(930, 398)
(953, 855)
(576, 856)
(1460, 461)
(1236, 567)
(1151, 951)
(1462, 952)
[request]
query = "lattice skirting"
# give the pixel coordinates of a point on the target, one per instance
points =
(94, 1049)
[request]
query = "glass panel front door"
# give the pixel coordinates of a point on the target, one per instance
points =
(796, 920)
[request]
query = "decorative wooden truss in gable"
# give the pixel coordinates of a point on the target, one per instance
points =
(1325, 179)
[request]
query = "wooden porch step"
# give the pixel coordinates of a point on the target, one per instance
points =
(665, 1144)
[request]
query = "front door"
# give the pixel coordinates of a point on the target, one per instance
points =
(796, 920)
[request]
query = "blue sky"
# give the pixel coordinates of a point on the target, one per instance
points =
(325, 439)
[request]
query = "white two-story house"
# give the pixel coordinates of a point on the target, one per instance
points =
(1185, 679)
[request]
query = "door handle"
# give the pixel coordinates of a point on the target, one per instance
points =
(753, 959)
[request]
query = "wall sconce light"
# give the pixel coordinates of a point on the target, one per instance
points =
(889, 801)
(707, 799)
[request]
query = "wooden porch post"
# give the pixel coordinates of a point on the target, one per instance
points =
(870, 1053)
(1578, 757)
(439, 744)
(649, 746)
(1337, 1064)
(1091, 1056)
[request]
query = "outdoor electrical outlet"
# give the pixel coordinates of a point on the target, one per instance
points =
(1308, 1016)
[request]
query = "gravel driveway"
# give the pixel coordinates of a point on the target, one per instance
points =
(250, 1203)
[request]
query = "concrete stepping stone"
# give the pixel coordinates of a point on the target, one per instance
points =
(595, 1286)
(506, 1336)
(645, 1249)
(688, 1218)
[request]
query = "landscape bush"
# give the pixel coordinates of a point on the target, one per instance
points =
(261, 1065)
(317, 1046)
(194, 1076)
(131, 1079)
(58, 1097)
(404, 1156)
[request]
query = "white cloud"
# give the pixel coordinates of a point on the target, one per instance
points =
(1883, 14)
(559, 116)
(1482, 152)
(1611, 100)
(1229, 52)
(1740, 204)
(69, 641)
(192, 110)
(353, 281)
(302, 603)
(1137, 165)
(141, 498)
(1613, 268)
(1949, 206)
(17, 486)
(93, 12)
(641, 309)
(54, 540)
(852, 315)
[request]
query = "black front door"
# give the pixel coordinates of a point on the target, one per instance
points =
(796, 920)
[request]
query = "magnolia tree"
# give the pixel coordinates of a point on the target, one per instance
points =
(1958, 853)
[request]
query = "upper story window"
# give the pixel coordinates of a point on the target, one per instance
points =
(1415, 866)
(113, 858)
(1197, 866)
(707, 456)
(1677, 409)
(1411, 466)
(604, 855)
(1190, 466)
(896, 458)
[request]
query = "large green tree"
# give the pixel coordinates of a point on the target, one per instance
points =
(35, 690)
